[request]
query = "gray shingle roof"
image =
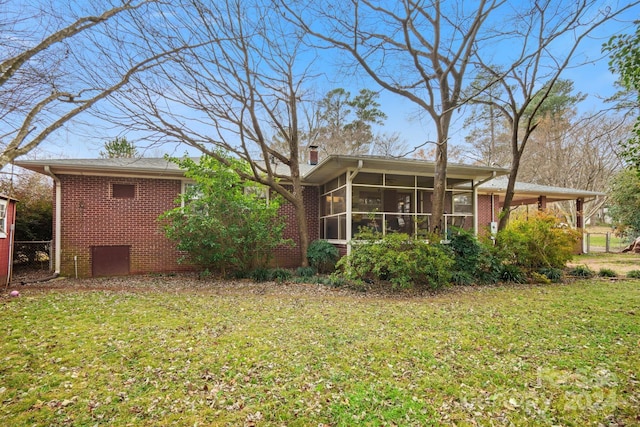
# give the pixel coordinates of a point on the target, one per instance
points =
(499, 185)
(160, 167)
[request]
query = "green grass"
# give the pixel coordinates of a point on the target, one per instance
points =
(521, 355)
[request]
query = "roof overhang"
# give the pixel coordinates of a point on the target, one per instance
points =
(526, 193)
(335, 165)
(140, 167)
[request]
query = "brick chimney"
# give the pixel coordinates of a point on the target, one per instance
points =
(313, 154)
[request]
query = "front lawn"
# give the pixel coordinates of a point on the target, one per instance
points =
(275, 355)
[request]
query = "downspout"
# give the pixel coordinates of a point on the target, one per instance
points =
(475, 201)
(350, 204)
(58, 217)
(12, 230)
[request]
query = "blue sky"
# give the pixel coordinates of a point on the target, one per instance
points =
(84, 137)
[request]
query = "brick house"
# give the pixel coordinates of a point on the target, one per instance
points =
(106, 210)
(7, 230)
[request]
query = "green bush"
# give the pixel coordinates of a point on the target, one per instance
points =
(467, 251)
(322, 255)
(396, 259)
(581, 271)
(305, 272)
(280, 274)
(537, 242)
(512, 273)
(553, 274)
(633, 274)
(260, 274)
(540, 278)
(474, 261)
(461, 278)
(607, 272)
(220, 226)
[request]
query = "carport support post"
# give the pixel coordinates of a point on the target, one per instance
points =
(580, 220)
(542, 203)
(580, 214)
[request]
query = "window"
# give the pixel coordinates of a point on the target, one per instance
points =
(123, 191)
(3, 218)
(391, 202)
(260, 191)
(463, 203)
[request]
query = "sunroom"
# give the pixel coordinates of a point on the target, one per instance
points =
(393, 196)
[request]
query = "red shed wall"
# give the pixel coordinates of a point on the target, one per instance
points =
(5, 242)
(92, 217)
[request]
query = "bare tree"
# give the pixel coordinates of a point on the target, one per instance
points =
(547, 38)
(56, 64)
(241, 88)
(341, 124)
(419, 50)
(575, 152)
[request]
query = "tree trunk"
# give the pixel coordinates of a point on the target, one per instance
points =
(439, 190)
(508, 197)
(303, 231)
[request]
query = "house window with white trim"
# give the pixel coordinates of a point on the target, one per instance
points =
(257, 190)
(3, 218)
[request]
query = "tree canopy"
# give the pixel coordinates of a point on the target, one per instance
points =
(624, 51)
(34, 210)
(119, 147)
(624, 199)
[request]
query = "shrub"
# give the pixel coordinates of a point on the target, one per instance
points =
(322, 255)
(398, 260)
(260, 274)
(553, 274)
(332, 280)
(512, 273)
(633, 274)
(305, 272)
(607, 272)
(280, 274)
(537, 242)
(220, 226)
(540, 278)
(474, 261)
(461, 278)
(466, 249)
(581, 271)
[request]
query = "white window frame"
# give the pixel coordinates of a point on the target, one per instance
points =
(4, 206)
(183, 190)
(261, 191)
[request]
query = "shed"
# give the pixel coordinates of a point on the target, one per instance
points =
(7, 231)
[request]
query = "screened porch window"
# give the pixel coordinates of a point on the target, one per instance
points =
(391, 203)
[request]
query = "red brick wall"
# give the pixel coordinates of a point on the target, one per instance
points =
(289, 256)
(92, 217)
(484, 211)
(5, 242)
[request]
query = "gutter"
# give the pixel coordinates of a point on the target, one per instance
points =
(479, 183)
(58, 217)
(12, 231)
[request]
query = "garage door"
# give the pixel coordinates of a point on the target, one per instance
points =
(110, 260)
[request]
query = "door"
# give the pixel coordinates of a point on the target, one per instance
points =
(110, 260)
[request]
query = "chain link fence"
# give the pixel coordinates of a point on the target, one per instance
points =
(36, 255)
